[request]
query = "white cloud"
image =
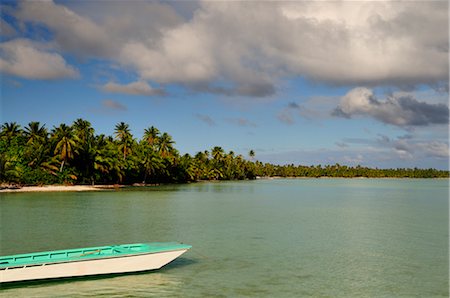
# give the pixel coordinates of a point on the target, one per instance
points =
(31, 60)
(181, 56)
(435, 149)
(93, 29)
(395, 110)
(417, 153)
(73, 33)
(374, 42)
(245, 48)
(135, 88)
(414, 149)
(408, 148)
(6, 29)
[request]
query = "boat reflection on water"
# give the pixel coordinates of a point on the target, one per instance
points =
(140, 284)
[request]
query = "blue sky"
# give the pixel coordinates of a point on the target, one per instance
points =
(298, 82)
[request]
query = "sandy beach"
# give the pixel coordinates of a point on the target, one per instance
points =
(58, 188)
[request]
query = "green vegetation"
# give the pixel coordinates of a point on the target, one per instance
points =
(76, 155)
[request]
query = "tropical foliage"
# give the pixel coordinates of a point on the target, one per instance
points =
(74, 154)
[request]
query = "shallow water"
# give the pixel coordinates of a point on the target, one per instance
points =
(264, 238)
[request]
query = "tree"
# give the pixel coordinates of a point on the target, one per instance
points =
(217, 153)
(33, 156)
(85, 157)
(35, 133)
(251, 153)
(10, 131)
(66, 142)
(106, 161)
(37, 154)
(165, 145)
(8, 171)
(149, 160)
(151, 136)
(218, 165)
(124, 137)
(84, 131)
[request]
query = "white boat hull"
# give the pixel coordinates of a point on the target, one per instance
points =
(122, 264)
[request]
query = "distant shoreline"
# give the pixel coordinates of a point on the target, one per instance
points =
(77, 188)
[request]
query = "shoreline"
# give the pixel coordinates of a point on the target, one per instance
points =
(75, 188)
(58, 188)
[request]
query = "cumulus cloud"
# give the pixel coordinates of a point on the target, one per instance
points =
(383, 152)
(135, 88)
(406, 147)
(395, 110)
(73, 33)
(31, 60)
(249, 46)
(420, 148)
(435, 149)
(6, 29)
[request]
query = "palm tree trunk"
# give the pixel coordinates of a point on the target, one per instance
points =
(62, 165)
(145, 178)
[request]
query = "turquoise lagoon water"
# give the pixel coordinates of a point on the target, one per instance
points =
(264, 238)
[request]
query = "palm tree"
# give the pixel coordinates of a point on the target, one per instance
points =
(214, 174)
(202, 157)
(151, 136)
(124, 136)
(83, 130)
(106, 161)
(9, 131)
(217, 163)
(217, 153)
(37, 150)
(251, 153)
(191, 168)
(151, 163)
(66, 142)
(85, 158)
(34, 132)
(7, 169)
(165, 144)
(229, 166)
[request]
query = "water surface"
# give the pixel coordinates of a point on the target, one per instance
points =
(264, 238)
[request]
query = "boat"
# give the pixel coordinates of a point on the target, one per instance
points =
(112, 259)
